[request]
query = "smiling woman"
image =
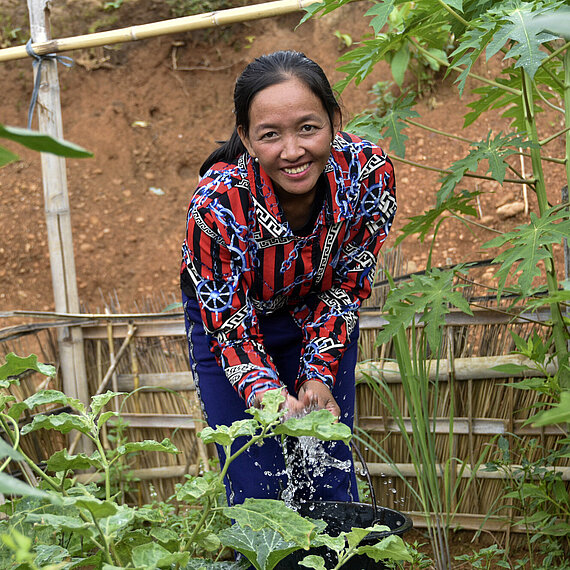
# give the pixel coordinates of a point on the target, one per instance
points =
(281, 243)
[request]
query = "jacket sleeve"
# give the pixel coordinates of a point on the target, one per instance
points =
(329, 323)
(216, 259)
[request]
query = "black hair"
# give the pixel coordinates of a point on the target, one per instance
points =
(264, 72)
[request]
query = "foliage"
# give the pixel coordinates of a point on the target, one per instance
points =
(37, 141)
(530, 37)
(65, 524)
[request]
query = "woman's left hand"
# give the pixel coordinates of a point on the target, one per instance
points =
(315, 394)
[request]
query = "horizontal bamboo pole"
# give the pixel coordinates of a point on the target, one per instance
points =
(463, 426)
(408, 470)
(470, 368)
(161, 421)
(166, 27)
(156, 382)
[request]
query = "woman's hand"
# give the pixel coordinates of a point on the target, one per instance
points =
(315, 394)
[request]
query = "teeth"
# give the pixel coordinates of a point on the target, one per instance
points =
(296, 170)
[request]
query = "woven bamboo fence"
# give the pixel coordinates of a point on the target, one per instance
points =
(145, 351)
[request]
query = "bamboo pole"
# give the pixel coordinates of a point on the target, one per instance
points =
(43, 46)
(58, 218)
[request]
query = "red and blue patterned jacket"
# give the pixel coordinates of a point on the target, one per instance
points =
(242, 260)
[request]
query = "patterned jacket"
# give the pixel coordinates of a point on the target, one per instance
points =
(242, 260)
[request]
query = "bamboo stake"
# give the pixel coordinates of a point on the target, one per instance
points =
(58, 219)
(43, 46)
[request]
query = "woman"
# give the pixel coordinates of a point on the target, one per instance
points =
(282, 238)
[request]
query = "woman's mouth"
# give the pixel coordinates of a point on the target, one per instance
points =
(297, 169)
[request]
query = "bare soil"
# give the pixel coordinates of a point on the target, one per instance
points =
(151, 111)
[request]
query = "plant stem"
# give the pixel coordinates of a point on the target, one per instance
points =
(556, 53)
(559, 331)
(567, 109)
(438, 132)
(454, 13)
(529, 181)
(545, 141)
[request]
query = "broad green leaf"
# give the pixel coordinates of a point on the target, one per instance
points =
(50, 554)
(199, 487)
(513, 369)
(163, 534)
(152, 555)
(63, 423)
(557, 23)
(7, 450)
(43, 143)
(61, 522)
(272, 514)
(270, 410)
(263, 548)
(558, 414)
(100, 401)
(62, 461)
(208, 540)
(98, 508)
(431, 295)
(319, 423)
(354, 537)
(528, 247)
(11, 486)
(313, 561)
(390, 548)
(399, 64)
(44, 397)
(16, 365)
(105, 417)
(455, 4)
(6, 157)
(147, 445)
(112, 524)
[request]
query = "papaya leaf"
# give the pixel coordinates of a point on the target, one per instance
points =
(63, 423)
(261, 514)
(431, 296)
(16, 365)
(380, 13)
(62, 461)
(43, 143)
(391, 125)
(494, 151)
(392, 548)
(321, 424)
(6, 157)
(147, 445)
(528, 247)
(456, 203)
(520, 26)
(263, 548)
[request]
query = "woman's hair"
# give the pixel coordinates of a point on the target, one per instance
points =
(264, 72)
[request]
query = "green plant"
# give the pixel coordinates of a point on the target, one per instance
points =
(531, 39)
(485, 558)
(65, 523)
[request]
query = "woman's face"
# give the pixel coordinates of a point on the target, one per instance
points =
(290, 134)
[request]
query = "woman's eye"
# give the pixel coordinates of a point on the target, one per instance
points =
(308, 128)
(269, 135)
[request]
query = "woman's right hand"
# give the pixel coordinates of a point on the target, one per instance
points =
(291, 404)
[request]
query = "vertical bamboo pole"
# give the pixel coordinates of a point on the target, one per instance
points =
(58, 220)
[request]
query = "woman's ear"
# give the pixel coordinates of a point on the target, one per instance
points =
(337, 122)
(244, 139)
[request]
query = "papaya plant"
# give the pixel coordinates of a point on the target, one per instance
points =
(60, 523)
(531, 39)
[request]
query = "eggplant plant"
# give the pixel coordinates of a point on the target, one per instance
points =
(58, 523)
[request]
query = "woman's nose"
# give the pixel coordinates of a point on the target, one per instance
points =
(292, 149)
